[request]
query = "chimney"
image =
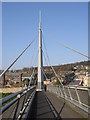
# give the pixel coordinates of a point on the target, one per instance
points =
(3, 80)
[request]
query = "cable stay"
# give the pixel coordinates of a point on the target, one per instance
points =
(66, 46)
(45, 58)
(33, 68)
(32, 76)
(50, 64)
(17, 58)
(54, 70)
(34, 61)
(33, 53)
(32, 57)
(44, 74)
(55, 74)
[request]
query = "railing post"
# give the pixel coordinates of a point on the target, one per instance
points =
(53, 89)
(23, 101)
(78, 96)
(58, 91)
(14, 118)
(64, 92)
(70, 94)
(61, 92)
(89, 97)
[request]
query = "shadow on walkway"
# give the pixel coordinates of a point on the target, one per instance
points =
(42, 108)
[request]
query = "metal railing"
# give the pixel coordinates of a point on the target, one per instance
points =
(78, 96)
(15, 108)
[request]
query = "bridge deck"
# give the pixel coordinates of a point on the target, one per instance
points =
(63, 109)
(41, 108)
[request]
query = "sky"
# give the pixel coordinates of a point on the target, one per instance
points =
(45, 1)
(65, 22)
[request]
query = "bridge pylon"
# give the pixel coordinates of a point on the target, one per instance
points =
(40, 59)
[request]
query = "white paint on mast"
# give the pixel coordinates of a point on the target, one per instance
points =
(40, 59)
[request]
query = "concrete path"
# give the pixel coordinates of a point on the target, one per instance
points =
(47, 105)
(40, 107)
(63, 109)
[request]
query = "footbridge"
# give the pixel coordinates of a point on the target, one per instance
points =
(39, 101)
(52, 103)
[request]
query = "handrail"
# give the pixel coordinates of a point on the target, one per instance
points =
(11, 96)
(18, 101)
(16, 59)
(8, 105)
(73, 95)
(78, 87)
(14, 95)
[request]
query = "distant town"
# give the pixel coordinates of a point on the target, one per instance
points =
(76, 74)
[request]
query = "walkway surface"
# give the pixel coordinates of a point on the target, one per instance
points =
(63, 109)
(47, 105)
(40, 107)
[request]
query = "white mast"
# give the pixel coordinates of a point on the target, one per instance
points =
(40, 59)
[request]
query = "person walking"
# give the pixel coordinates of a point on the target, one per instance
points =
(45, 88)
